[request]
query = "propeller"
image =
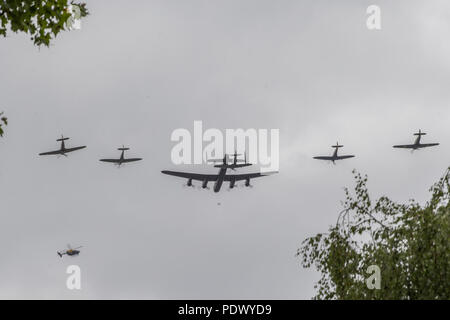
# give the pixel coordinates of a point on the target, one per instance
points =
(243, 186)
(191, 186)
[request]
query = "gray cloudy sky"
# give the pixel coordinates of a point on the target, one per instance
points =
(140, 69)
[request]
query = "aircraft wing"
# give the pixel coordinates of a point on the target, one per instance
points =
(324, 158)
(244, 176)
(131, 160)
(193, 176)
(74, 149)
(424, 145)
(111, 160)
(344, 157)
(50, 153)
(406, 146)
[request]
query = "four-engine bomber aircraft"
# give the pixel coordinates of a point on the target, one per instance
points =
(219, 178)
(417, 145)
(63, 150)
(122, 159)
(335, 156)
(69, 251)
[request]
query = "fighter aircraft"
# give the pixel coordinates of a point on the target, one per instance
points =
(122, 159)
(69, 251)
(63, 150)
(417, 145)
(335, 156)
(222, 175)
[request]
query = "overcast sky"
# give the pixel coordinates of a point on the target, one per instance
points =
(137, 70)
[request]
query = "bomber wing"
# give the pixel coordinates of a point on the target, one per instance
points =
(244, 176)
(193, 176)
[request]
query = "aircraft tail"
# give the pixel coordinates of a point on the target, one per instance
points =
(337, 145)
(420, 133)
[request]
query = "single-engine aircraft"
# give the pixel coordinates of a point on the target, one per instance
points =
(70, 251)
(417, 145)
(222, 176)
(63, 150)
(122, 159)
(335, 156)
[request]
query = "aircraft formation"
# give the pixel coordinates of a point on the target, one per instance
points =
(229, 161)
(62, 151)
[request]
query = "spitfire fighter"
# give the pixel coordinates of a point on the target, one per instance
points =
(335, 156)
(62, 150)
(122, 158)
(417, 145)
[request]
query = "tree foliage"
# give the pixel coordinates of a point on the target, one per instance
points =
(410, 244)
(3, 121)
(43, 20)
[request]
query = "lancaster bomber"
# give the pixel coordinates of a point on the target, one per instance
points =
(335, 156)
(222, 175)
(417, 145)
(63, 150)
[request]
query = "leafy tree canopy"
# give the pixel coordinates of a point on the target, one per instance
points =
(410, 244)
(3, 121)
(43, 20)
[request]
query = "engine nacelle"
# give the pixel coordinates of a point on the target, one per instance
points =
(205, 184)
(232, 184)
(189, 183)
(247, 182)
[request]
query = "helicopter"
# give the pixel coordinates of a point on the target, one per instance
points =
(70, 251)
